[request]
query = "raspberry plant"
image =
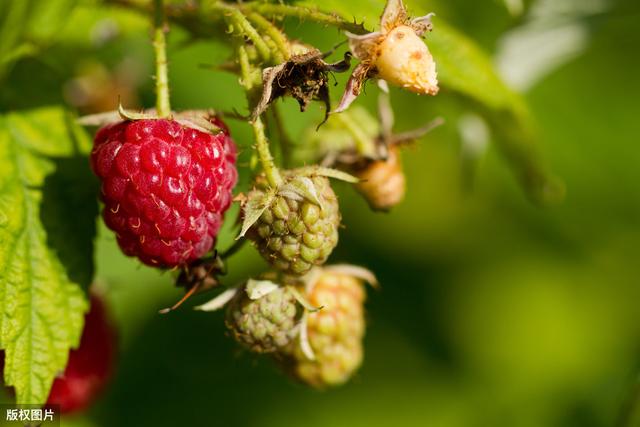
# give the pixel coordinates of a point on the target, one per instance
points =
(167, 177)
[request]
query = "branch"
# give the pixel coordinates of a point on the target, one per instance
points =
(278, 11)
(209, 21)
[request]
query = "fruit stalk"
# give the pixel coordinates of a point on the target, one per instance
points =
(266, 159)
(262, 145)
(239, 24)
(163, 105)
(207, 19)
(282, 52)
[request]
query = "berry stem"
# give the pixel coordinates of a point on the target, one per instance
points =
(281, 52)
(279, 10)
(239, 24)
(206, 20)
(245, 69)
(262, 144)
(163, 105)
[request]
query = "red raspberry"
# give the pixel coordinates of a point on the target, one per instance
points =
(90, 366)
(165, 187)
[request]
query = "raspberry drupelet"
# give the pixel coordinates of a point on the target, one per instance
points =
(165, 187)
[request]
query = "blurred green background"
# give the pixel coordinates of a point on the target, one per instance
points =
(492, 312)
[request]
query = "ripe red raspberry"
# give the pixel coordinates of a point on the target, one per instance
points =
(165, 187)
(90, 366)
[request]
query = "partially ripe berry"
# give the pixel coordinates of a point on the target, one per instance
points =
(165, 187)
(90, 366)
(382, 182)
(265, 324)
(404, 60)
(335, 332)
(295, 233)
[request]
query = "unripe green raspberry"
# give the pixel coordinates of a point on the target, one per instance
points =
(334, 332)
(295, 233)
(267, 323)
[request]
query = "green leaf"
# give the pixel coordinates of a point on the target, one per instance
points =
(47, 224)
(13, 15)
(465, 69)
(48, 17)
(27, 26)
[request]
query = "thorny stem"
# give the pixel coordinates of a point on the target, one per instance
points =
(163, 105)
(245, 69)
(281, 43)
(280, 10)
(206, 22)
(239, 23)
(262, 145)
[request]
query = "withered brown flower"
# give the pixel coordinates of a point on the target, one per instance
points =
(304, 76)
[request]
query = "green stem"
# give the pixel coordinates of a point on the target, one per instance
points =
(276, 10)
(262, 144)
(266, 160)
(207, 20)
(279, 39)
(245, 69)
(239, 23)
(163, 105)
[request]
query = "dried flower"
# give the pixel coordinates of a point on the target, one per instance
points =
(304, 77)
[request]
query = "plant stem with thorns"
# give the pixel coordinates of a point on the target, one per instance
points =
(262, 144)
(163, 105)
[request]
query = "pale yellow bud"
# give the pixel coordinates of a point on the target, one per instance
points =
(404, 60)
(383, 183)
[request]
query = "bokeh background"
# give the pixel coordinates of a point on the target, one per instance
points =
(493, 311)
